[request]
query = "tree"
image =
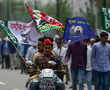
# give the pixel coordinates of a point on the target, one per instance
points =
(65, 10)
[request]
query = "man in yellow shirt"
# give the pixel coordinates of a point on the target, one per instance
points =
(40, 50)
(37, 54)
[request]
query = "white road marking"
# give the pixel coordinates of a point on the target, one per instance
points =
(2, 83)
(16, 89)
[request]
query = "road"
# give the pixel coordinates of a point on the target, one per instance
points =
(13, 80)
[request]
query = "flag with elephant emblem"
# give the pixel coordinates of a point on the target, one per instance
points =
(77, 28)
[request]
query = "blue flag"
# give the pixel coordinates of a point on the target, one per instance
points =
(77, 29)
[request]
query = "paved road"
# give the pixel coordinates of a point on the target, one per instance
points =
(13, 80)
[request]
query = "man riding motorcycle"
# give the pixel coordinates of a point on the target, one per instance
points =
(42, 62)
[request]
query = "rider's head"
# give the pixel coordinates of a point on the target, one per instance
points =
(40, 44)
(48, 45)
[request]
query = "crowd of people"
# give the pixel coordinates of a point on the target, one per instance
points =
(89, 60)
(8, 55)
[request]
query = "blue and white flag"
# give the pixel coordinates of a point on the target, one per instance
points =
(77, 28)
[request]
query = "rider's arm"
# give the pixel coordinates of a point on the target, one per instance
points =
(33, 77)
(35, 57)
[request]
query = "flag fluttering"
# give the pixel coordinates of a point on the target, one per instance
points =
(43, 21)
(10, 35)
(77, 29)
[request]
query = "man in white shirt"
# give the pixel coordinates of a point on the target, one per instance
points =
(60, 51)
(88, 72)
(31, 51)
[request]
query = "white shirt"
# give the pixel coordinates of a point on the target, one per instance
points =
(89, 52)
(60, 52)
(30, 53)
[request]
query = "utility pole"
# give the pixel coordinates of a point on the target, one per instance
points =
(35, 3)
(104, 3)
(57, 8)
(96, 14)
(72, 7)
(8, 9)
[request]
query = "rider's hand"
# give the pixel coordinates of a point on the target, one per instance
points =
(66, 64)
(25, 60)
(26, 85)
(63, 70)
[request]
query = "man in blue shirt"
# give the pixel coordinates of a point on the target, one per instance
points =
(101, 62)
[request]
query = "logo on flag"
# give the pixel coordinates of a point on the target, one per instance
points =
(76, 31)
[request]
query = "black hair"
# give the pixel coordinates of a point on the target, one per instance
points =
(103, 34)
(41, 39)
(59, 40)
(87, 40)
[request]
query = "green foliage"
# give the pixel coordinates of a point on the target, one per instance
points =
(26, 17)
(65, 10)
(90, 17)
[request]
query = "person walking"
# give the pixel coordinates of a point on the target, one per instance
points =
(0, 51)
(60, 52)
(12, 55)
(5, 54)
(78, 52)
(88, 72)
(100, 62)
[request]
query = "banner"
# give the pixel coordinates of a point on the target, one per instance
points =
(106, 18)
(77, 29)
(24, 32)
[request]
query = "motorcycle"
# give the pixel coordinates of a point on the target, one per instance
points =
(47, 79)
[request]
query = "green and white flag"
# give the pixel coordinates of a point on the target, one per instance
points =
(6, 30)
(106, 18)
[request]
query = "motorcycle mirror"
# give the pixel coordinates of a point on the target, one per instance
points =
(52, 62)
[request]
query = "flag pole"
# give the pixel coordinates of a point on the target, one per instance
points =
(96, 11)
(19, 54)
(12, 38)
